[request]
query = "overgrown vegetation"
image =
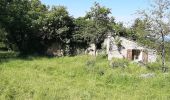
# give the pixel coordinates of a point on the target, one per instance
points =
(81, 77)
(10, 54)
(28, 26)
(31, 27)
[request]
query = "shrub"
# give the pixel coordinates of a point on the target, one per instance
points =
(101, 71)
(119, 63)
(8, 54)
(89, 65)
(93, 67)
(154, 66)
(102, 56)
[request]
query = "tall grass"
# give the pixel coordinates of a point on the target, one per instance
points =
(78, 78)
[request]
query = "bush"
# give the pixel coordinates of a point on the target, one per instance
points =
(90, 65)
(154, 66)
(8, 54)
(102, 56)
(119, 63)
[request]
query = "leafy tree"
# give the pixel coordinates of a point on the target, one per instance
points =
(19, 18)
(120, 29)
(98, 24)
(123, 31)
(56, 26)
(142, 35)
(15, 21)
(37, 12)
(79, 39)
(139, 27)
(157, 24)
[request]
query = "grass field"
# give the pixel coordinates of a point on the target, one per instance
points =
(78, 78)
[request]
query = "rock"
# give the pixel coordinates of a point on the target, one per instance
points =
(166, 73)
(148, 75)
(91, 50)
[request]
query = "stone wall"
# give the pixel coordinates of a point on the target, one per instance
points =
(152, 55)
(55, 50)
(91, 50)
(114, 51)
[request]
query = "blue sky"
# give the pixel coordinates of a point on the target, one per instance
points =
(122, 10)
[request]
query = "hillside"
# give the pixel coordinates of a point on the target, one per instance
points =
(79, 78)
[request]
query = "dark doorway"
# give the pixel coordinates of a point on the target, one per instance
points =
(135, 54)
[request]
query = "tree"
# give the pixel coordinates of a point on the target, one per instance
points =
(157, 22)
(3, 39)
(14, 19)
(36, 12)
(19, 18)
(56, 26)
(120, 29)
(139, 27)
(79, 39)
(98, 24)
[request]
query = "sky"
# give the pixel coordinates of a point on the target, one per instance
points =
(123, 10)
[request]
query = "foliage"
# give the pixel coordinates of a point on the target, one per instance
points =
(80, 35)
(119, 63)
(156, 17)
(17, 18)
(7, 54)
(3, 34)
(154, 66)
(57, 24)
(31, 27)
(157, 24)
(118, 42)
(28, 26)
(16, 21)
(119, 29)
(167, 47)
(3, 39)
(139, 27)
(98, 24)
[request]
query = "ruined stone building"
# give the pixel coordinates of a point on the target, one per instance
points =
(120, 47)
(116, 47)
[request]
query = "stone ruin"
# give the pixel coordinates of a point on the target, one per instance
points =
(128, 49)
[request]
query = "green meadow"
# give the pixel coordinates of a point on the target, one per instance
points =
(79, 78)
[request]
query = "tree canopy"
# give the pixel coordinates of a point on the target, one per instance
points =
(28, 26)
(157, 23)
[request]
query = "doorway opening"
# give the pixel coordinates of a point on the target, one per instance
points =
(135, 54)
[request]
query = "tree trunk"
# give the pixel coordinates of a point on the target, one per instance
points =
(163, 53)
(95, 50)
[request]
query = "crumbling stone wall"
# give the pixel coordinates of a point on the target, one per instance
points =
(113, 51)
